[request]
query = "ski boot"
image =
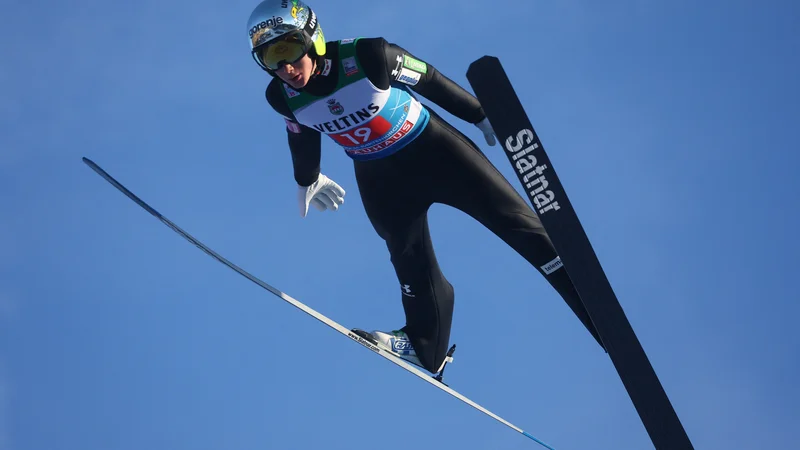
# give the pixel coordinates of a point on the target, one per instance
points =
(400, 345)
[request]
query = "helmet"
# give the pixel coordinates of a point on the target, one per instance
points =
(279, 20)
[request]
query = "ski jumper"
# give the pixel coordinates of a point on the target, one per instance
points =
(406, 158)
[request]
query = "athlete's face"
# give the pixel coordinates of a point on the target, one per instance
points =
(297, 75)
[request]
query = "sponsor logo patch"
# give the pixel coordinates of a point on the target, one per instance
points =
(335, 107)
(408, 77)
(350, 67)
(292, 126)
(415, 64)
(289, 91)
(327, 68)
(552, 266)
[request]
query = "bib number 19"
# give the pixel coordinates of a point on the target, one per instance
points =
(362, 134)
(375, 128)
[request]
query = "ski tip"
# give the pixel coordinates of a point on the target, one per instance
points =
(485, 59)
(92, 165)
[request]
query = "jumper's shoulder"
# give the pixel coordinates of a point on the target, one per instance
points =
(276, 99)
(371, 46)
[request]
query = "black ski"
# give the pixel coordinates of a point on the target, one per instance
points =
(536, 173)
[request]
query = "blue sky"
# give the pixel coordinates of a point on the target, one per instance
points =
(670, 124)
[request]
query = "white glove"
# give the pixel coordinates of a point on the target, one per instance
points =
(323, 194)
(488, 132)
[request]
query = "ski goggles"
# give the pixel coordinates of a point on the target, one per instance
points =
(287, 50)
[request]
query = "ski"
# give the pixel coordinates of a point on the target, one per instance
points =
(541, 184)
(355, 334)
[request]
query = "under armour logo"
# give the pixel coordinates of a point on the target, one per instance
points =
(407, 290)
(396, 69)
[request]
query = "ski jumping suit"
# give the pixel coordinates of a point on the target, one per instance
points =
(407, 158)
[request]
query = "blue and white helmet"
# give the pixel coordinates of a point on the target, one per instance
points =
(273, 19)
